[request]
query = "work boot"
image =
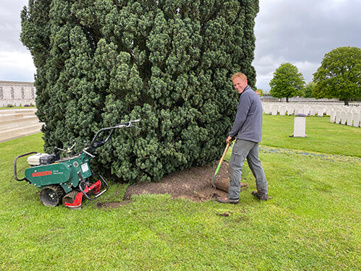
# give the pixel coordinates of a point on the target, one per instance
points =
(227, 200)
(259, 195)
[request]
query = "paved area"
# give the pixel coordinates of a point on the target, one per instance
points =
(16, 123)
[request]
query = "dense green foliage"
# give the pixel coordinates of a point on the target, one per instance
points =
(339, 75)
(308, 91)
(287, 82)
(168, 63)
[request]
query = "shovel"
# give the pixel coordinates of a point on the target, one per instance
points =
(219, 164)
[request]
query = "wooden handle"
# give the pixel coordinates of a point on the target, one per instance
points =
(220, 163)
(224, 153)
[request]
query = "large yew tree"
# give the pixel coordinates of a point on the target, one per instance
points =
(167, 62)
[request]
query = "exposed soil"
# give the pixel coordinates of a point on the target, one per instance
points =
(193, 184)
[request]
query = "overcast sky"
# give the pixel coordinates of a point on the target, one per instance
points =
(300, 32)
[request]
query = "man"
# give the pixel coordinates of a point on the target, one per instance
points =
(247, 130)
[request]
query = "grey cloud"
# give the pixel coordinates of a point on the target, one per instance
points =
(302, 32)
(299, 32)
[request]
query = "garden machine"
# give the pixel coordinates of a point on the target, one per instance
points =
(69, 179)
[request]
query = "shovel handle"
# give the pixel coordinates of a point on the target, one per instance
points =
(220, 163)
(224, 153)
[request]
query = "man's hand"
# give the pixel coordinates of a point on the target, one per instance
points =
(229, 139)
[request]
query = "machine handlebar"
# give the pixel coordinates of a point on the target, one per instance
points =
(15, 171)
(96, 144)
(127, 124)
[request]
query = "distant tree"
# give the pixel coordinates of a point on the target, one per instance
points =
(168, 62)
(339, 75)
(309, 89)
(287, 82)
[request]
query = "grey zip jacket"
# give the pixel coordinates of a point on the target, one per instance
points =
(248, 122)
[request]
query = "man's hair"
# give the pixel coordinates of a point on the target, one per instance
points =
(240, 75)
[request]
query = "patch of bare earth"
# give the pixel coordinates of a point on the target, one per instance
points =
(194, 184)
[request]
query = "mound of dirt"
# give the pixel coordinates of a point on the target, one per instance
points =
(193, 183)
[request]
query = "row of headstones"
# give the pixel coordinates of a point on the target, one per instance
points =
(293, 109)
(309, 109)
(346, 118)
(340, 114)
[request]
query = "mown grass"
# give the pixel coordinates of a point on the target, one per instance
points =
(322, 136)
(311, 223)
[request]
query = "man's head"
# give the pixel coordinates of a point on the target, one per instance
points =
(239, 81)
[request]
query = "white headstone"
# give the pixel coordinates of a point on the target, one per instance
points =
(299, 111)
(274, 110)
(290, 110)
(282, 110)
(329, 109)
(266, 108)
(356, 119)
(332, 116)
(343, 117)
(299, 129)
(313, 110)
(338, 117)
(320, 111)
(349, 119)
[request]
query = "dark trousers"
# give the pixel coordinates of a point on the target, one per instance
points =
(243, 149)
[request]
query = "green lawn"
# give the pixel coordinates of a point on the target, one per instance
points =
(322, 136)
(311, 223)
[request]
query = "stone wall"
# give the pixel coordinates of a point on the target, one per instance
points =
(17, 93)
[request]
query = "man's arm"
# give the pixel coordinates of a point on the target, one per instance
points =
(242, 112)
